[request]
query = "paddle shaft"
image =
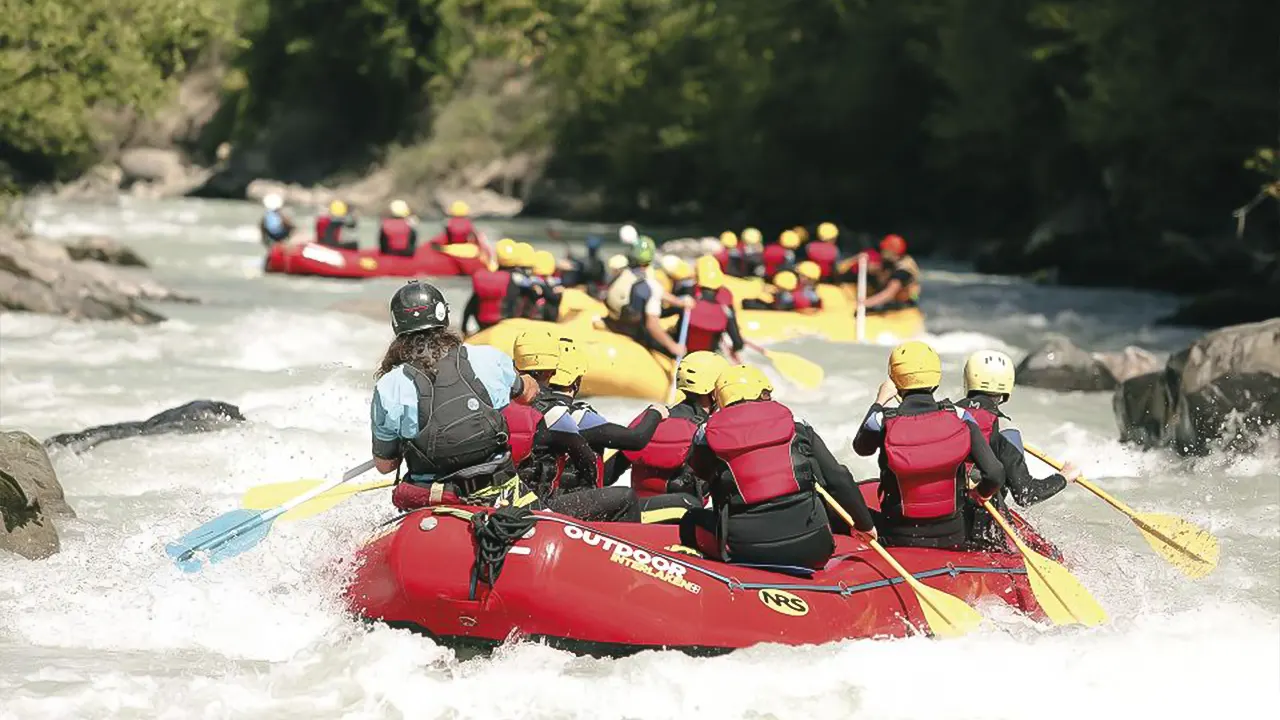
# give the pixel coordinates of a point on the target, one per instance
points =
(684, 335)
(875, 544)
(1008, 529)
(860, 316)
(1111, 500)
(269, 515)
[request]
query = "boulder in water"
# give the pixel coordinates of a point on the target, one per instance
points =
(1225, 387)
(105, 250)
(42, 276)
(1128, 363)
(1059, 365)
(194, 417)
(30, 495)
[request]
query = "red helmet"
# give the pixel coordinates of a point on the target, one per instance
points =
(873, 258)
(893, 244)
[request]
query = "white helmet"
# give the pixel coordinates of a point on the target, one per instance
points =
(273, 201)
(988, 371)
(628, 235)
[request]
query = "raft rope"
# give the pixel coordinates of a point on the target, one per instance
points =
(495, 537)
(495, 533)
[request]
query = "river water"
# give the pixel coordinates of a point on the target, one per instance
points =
(110, 628)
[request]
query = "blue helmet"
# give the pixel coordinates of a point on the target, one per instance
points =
(594, 242)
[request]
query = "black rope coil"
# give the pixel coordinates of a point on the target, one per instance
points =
(495, 533)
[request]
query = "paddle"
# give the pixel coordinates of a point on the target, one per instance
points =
(684, 335)
(801, 371)
(265, 497)
(1064, 600)
(947, 615)
(462, 251)
(1186, 546)
(235, 532)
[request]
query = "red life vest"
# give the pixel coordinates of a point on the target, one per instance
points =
(926, 453)
(724, 296)
(707, 320)
(490, 288)
(397, 232)
(800, 300)
(985, 418)
(722, 256)
(774, 258)
(458, 231)
(325, 226)
(825, 254)
(522, 423)
(666, 452)
(754, 438)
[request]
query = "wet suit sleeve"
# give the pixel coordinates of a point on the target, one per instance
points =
(870, 435)
(469, 312)
(612, 435)
(839, 482)
(735, 332)
(580, 455)
(988, 464)
(1025, 489)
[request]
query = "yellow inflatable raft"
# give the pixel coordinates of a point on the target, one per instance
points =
(618, 366)
(835, 322)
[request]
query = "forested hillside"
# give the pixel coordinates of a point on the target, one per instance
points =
(977, 116)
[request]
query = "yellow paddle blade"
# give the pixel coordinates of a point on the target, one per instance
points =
(265, 497)
(946, 614)
(662, 515)
(1186, 546)
(1059, 593)
(801, 371)
(465, 251)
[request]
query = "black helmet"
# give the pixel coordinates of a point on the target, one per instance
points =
(418, 306)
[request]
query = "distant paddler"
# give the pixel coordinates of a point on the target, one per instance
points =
(635, 301)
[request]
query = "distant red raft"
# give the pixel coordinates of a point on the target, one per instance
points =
(315, 259)
(614, 588)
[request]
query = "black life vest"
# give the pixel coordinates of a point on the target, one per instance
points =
(457, 425)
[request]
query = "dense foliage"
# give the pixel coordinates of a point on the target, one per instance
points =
(60, 61)
(975, 115)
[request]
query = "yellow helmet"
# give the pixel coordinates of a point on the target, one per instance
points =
(506, 251)
(544, 263)
(915, 366)
(524, 255)
(573, 364)
(988, 371)
(337, 208)
(457, 208)
(663, 279)
(803, 232)
(789, 239)
(728, 239)
(618, 262)
(536, 350)
(828, 232)
(809, 270)
(752, 236)
(709, 274)
(676, 268)
(399, 208)
(786, 280)
(698, 372)
(740, 382)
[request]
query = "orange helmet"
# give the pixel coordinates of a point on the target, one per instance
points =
(893, 244)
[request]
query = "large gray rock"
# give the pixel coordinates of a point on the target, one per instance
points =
(1128, 363)
(151, 164)
(41, 276)
(1059, 365)
(1224, 389)
(194, 417)
(104, 250)
(30, 496)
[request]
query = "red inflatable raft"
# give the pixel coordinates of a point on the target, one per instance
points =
(614, 588)
(315, 259)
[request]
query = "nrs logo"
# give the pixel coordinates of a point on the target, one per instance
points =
(781, 601)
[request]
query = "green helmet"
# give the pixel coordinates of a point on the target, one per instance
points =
(643, 251)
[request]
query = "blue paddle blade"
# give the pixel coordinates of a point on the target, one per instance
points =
(218, 539)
